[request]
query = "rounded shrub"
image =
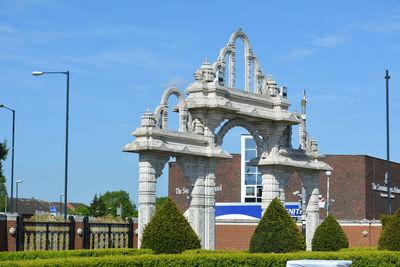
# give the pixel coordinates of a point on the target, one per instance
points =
(390, 235)
(276, 232)
(169, 232)
(329, 236)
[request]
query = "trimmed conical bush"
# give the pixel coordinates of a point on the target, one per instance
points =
(276, 232)
(329, 236)
(390, 235)
(169, 232)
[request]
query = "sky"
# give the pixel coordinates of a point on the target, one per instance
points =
(122, 55)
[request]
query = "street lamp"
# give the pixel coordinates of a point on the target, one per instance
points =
(12, 156)
(302, 207)
(38, 73)
(16, 202)
(389, 209)
(328, 175)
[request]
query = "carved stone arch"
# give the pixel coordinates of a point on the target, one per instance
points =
(242, 36)
(161, 112)
(242, 123)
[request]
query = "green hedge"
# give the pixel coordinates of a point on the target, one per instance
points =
(31, 255)
(204, 258)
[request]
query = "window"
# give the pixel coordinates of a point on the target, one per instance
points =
(251, 177)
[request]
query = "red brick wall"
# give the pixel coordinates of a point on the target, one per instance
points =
(11, 240)
(237, 237)
(375, 173)
(78, 239)
(233, 237)
(356, 238)
(227, 174)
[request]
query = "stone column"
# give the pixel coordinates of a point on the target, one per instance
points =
(232, 69)
(311, 188)
(209, 203)
(150, 168)
(193, 171)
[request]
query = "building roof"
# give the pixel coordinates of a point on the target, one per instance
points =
(30, 205)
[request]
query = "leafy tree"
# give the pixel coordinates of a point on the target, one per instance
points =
(276, 232)
(97, 207)
(112, 201)
(160, 201)
(81, 210)
(3, 189)
(329, 236)
(169, 232)
(390, 235)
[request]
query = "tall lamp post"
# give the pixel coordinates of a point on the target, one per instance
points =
(328, 175)
(61, 195)
(16, 202)
(389, 210)
(38, 73)
(12, 157)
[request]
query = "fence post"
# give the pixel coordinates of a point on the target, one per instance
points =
(20, 234)
(109, 236)
(86, 233)
(130, 233)
(71, 232)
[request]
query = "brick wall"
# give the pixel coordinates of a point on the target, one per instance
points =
(238, 236)
(227, 174)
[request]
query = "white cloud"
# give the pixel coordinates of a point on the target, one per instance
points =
(5, 28)
(328, 41)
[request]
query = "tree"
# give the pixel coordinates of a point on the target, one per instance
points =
(97, 207)
(276, 232)
(81, 211)
(112, 201)
(160, 201)
(390, 235)
(329, 236)
(169, 232)
(3, 189)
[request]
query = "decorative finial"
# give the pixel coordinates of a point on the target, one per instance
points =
(240, 29)
(303, 103)
(174, 85)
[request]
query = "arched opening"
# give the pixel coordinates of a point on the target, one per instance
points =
(240, 64)
(236, 137)
(173, 113)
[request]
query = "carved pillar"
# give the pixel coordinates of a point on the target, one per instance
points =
(164, 117)
(232, 69)
(270, 185)
(193, 171)
(150, 168)
(248, 71)
(183, 119)
(209, 202)
(311, 188)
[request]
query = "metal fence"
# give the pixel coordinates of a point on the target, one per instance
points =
(55, 236)
(107, 235)
(58, 236)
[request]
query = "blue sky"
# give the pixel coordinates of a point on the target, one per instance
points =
(122, 55)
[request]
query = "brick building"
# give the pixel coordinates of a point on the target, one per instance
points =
(357, 193)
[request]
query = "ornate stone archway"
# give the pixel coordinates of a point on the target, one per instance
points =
(263, 111)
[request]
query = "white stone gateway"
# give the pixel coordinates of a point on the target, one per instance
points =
(263, 111)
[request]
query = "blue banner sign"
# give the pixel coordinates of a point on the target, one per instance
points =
(250, 210)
